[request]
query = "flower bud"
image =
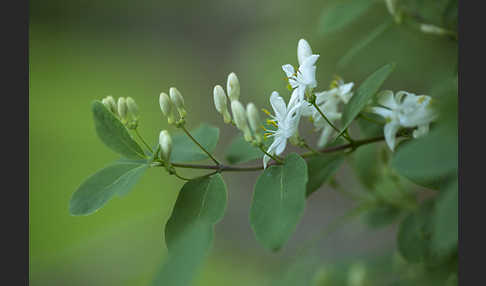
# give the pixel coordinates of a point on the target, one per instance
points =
(239, 115)
(220, 103)
(132, 107)
(178, 101)
(122, 108)
(233, 87)
(166, 107)
(432, 29)
(390, 5)
(110, 103)
(303, 50)
(165, 142)
(254, 120)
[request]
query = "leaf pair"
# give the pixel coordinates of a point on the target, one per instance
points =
(117, 178)
(121, 176)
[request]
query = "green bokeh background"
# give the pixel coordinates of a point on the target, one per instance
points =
(82, 51)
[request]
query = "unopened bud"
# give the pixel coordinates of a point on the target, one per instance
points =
(303, 50)
(391, 5)
(178, 101)
(233, 87)
(220, 102)
(166, 107)
(122, 108)
(165, 142)
(254, 120)
(432, 29)
(110, 103)
(132, 107)
(239, 115)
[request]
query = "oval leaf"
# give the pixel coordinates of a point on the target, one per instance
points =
(186, 256)
(445, 236)
(321, 168)
(112, 132)
(381, 216)
(185, 150)
(279, 201)
(342, 14)
(365, 92)
(241, 151)
(414, 234)
(346, 59)
(201, 200)
(99, 188)
(429, 161)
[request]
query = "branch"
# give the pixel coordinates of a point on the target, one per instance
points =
(225, 168)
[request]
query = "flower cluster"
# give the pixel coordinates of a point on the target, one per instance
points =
(169, 105)
(247, 120)
(404, 109)
(125, 109)
(322, 108)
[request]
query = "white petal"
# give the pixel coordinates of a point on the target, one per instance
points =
(421, 131)
(385, 113)
(307, 71)
(307, 109)
(345, 88)
(391, 130)
(278, 105)
(297, 97)
(303, 50)
(281, 144)
(386, 99)
(346, 97)
(332, 116)
(402, 96)
(270, 150)
(325, 136)
(322, 96)
(417, 114)
(265, 161)
(310, 61)
(289, 70)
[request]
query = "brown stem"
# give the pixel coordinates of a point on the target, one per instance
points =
(224, 168)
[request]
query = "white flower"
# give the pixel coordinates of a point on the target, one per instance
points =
(305, 77)
(404, 109)
(286, 119)
(328, 102)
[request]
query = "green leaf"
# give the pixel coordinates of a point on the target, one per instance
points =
(99, 188)
(279, 201)
(414, 234)
(321, 168)
(186, 256)
(241, 151)
(370, 129)
(342, 14)
(429, 161)
(367, 165)
(445, 236)
(365, 92)
(381, 216)
(201, 200)
(346, 59)
(185, 150)
(112, 132)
